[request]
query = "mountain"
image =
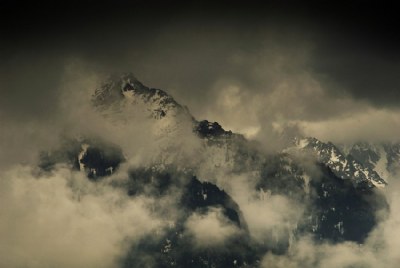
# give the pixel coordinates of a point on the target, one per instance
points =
(384, 158)
(119, 91)
(227, 179)
(346, 167)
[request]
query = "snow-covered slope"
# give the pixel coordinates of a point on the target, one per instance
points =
(344, 166)
(384, 158)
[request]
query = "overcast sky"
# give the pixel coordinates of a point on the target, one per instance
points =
(249, 67)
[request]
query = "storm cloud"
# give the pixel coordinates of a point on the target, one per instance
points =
(250, 68)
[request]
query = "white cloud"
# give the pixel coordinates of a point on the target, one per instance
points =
(46, 223)
(210, 229)
(370, 124)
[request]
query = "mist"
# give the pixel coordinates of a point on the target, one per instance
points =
(263, 71)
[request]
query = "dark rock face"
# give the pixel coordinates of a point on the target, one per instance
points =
(195, 195)
(96, 158)
(200, 196)
(341, 211)
(365, 154)
(206, 129)
(101, 161)
(337, 210)
(174, 247)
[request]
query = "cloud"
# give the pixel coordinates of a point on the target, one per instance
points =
(370, 124)
(22, 138)
(211, 229)
(380, 249)
(306, 253)
(270, 218)
(287, 68)
(65, 220)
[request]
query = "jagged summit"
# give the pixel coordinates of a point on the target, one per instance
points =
(208, 129)
(121, 89)
(125, 90)
(342, 165)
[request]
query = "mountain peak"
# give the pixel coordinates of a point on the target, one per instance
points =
(121, 89)
(114, 87)
(343, 166)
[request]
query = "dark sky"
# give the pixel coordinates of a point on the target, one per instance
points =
(350, 48)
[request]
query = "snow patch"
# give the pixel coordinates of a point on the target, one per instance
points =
(81, 155)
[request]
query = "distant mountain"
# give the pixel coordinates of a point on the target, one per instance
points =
(346, 167)
(384, 158)
(339, 191)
